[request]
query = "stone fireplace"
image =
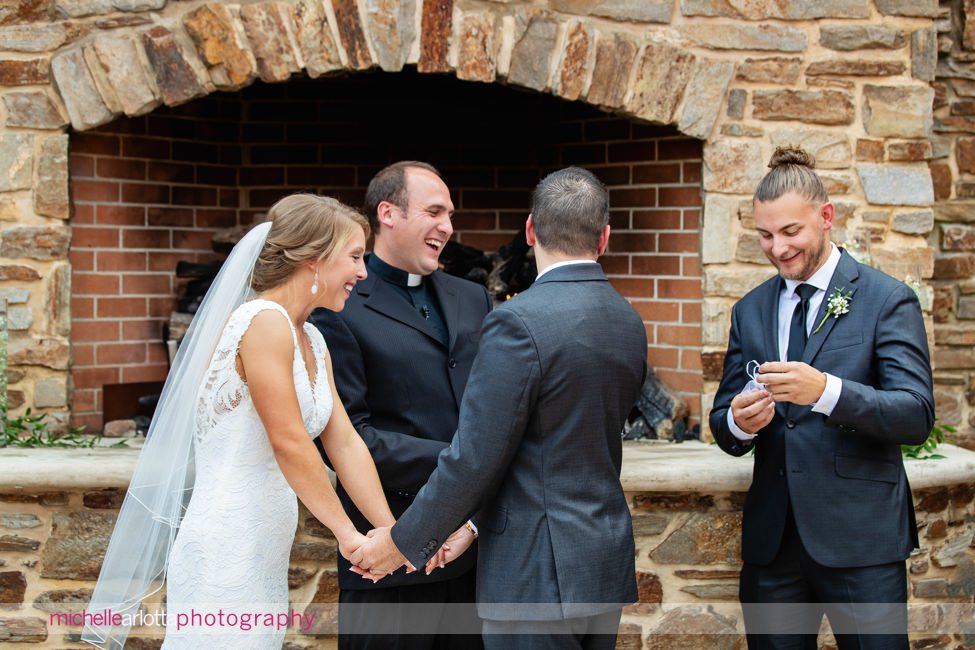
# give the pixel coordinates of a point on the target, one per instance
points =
(168, 120)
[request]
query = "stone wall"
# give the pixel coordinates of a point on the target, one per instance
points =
(953, 240)
(853, 81)
(688, 550)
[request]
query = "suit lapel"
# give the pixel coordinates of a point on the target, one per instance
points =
(770, 320)
(449, 306)
(844, 278)
(383, 299)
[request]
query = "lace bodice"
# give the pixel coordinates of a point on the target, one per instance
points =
(232, 549)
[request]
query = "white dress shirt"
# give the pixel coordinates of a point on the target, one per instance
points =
(788, 299)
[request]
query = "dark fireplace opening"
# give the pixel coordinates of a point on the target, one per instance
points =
(151, 191)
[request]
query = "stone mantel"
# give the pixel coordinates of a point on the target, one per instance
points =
(647, 467)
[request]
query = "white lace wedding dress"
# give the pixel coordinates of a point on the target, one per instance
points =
(228, 569)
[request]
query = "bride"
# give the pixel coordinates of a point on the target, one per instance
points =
(250, 389)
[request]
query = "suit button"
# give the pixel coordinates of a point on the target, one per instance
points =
(791, 424)
(452, 363)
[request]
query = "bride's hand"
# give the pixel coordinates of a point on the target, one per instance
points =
(349, 544)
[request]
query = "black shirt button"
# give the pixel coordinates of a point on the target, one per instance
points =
(452, 363)
(791, 424)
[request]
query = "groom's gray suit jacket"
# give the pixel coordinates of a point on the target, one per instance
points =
(842, 475)
(538, 446)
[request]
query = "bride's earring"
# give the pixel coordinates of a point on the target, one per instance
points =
(314, 284)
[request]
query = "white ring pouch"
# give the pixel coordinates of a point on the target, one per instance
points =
(751, 369)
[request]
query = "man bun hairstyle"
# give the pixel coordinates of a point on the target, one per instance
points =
(304, 227)
(791, 171)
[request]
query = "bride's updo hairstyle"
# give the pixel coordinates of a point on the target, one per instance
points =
(792, 171)
(304, 227)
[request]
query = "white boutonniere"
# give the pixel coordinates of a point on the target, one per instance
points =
(837, 304)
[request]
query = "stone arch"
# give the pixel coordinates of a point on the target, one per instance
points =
(136, 60)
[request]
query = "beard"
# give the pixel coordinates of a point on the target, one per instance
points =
(814, 256)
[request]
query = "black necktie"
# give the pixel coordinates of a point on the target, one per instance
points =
(797, 330)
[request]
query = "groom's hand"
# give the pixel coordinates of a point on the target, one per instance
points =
(378, 556)
(792, 381)
(753, 410)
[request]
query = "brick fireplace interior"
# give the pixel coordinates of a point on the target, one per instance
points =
(150, 191)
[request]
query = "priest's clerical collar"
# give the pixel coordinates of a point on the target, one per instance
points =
(392, 274)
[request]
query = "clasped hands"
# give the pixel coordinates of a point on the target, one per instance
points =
(784, 381)
(378, 555)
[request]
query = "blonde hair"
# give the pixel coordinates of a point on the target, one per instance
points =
(792, 171)
(304, 227)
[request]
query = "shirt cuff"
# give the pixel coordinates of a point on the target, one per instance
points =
(736, 431)
(831, 395)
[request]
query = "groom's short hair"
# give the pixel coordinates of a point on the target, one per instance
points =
(570, 208)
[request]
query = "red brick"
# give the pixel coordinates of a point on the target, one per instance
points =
(211, 175)
(192, 239)
(81, 260)
(84, 401)
(691, 266)
(679, 334)
(158, 353)
(147, 284)
(657, 311)
(692, 220)
(692, 172)
(634, 287)
(584, 154)
(140, 238)
(619, 220)
(682, 149)
(690, 359)
(615, 264)
(632, 242)
(633, 152)
(485, 241)
(119, 261)
(121, 168)
(633, 198)
(87, 421)
(166, 262)
(142, 330)
(85, 190)
(657, 173)
(85, 237)
(693, 400)
(657, 219)
(494, 200)
(678, 242)
(690, 312)
(94, 377)
(682, 381)
(120, 353)
(144, 373)
(267, 197)
(656, 265)
(83, 213)
(145, 193)
(659, 357)
(231, 199)
(158, 148)
(680, 196)
(121, 215)
(183, 195)
(157, 216)
(122, 308)
(81, 166)
(649, 328)
(612, 175)
(97, 284)
(170, 172)
(161, 307)
(265, 176)
(475, 221)
(216, 218)
(82, 308)
(608, 129)
(94, 143)
(685, 289)
(93, 330)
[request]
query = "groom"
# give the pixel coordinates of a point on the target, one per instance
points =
(538, 447)
(829, 517)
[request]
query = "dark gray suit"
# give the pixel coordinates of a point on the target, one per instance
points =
(538, 447)
(840, 478)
